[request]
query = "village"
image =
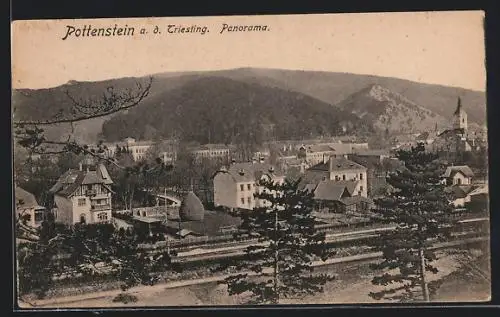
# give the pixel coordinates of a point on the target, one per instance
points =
(251, 168)
(344, 174)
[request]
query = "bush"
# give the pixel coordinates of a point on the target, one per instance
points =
(125, 298)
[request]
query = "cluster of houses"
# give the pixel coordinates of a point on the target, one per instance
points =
(330, 169)
(457, 139)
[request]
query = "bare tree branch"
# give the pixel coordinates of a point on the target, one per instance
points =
(110, 102)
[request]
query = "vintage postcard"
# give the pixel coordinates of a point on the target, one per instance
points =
(250, 160)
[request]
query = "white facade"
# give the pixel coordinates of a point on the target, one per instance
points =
(238, 192)
(460, 179)
(89, 204)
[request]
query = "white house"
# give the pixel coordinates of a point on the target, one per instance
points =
(341, 170)
(235, 186)
(28, 208)
(458, 175)
(83, 195)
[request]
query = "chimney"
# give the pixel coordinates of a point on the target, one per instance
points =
(330, 166)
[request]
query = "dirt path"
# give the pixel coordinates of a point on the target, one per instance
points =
(353, 286)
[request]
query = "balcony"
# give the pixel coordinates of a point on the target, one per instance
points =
(90, 192)
(100, 207)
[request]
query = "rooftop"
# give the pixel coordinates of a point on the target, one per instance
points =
(337, 164)
(250, 171)
(364, 152)
(69, 182)
(25, 199)
(330, 190)
(464, 169)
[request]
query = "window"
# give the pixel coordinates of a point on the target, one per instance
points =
(343, 177)
(361, 188)
(81, 201)
(103, 216)
(242, 187)
(459, 181)
(249, 186)
(361, 176)
(249, 199)
(83, 218)
(38, 216)
(242, 200)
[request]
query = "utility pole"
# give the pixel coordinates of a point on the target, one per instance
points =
(425, 286)
(276, 255)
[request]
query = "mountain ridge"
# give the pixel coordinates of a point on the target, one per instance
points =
(329, 87)
(222, 110)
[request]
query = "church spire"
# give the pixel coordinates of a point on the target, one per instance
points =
(460, 117)
(459, 106)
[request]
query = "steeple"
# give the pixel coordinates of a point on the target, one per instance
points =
(460, 117)
(459, 106)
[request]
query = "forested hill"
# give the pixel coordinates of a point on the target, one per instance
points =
(222, 110)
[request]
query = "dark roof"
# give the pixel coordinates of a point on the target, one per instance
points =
(460, 191)
(250, 171)
(337, 164)
(72, 179)
(313, 178)
(211, 224)
(330, 190)
(350, 185)
(191, 208)
(451, 132)
(464, 169)
(25, 199)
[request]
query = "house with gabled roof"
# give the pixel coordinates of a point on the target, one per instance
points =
(234, 187)
(83, 195)
(458, 175)
(336, 196)
(27, 208)
(340, 169)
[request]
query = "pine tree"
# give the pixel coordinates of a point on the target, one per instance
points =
(422, 213)
(280, 264)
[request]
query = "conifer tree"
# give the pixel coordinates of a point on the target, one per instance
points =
(279, 265)
(421, 211)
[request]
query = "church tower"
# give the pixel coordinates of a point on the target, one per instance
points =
(460, 117)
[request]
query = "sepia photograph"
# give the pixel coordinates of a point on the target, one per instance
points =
(250, 160)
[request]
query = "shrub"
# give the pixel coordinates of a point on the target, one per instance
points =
(125, 298)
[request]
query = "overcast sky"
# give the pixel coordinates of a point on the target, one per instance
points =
(432, 47)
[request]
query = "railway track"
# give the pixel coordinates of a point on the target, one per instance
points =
(201, 254)
(228, 241)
